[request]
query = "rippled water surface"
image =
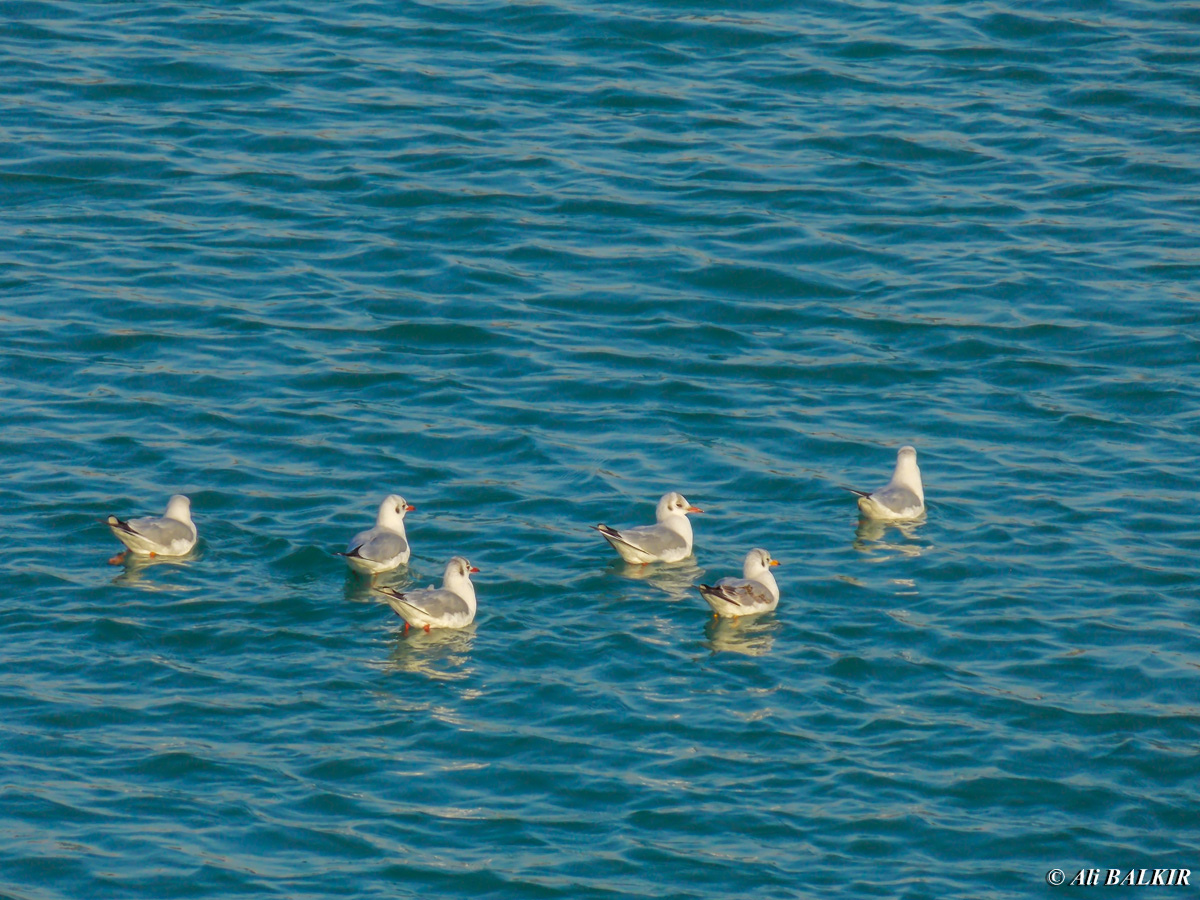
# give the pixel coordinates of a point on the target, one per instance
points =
(531, 265)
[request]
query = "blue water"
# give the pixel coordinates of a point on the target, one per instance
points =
(531, 265)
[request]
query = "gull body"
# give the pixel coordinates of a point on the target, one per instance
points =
(384, 547)
(901, 498)
(668, 540)
(171, 534)
(755, 592)
(450, 606)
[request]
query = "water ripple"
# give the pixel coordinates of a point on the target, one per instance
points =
(532, 265)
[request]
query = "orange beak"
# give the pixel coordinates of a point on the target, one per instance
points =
(693, 509)
(774, 562)
(409, 508)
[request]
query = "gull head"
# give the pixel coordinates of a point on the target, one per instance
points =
(907, 473)
(673, 504)
(392, 510)
(757, 562)
(459, 570)
(179, 508)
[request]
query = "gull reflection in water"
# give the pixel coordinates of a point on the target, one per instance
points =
(134, 570)
(872, 536)
(440, 653)
(676, 580)
(750, 635)
(361, 589)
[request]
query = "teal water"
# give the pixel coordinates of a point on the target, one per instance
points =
(531, 265)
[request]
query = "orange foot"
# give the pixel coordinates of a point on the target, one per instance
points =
(117, 560)
(426, 628)
(152, 555)
(405, 628)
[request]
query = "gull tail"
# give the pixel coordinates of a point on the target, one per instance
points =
(399, 603)
(613, 535)
(114, 522)
(707, 590)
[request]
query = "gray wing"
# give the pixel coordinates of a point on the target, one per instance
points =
(740, 592)
(160, 530)
(897, 499)
(434, 603)
(653, 539)
(379, 547)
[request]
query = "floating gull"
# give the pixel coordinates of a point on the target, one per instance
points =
(450, 606)
(384, 547)
(754, 593)
(668, 541)
(901, 498)
(171, 534)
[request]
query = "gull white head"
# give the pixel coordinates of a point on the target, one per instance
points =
(458, 569)
(907, 474)
(757, 567)
(758, 562)
(391, 512)
(672, 505)
(458, 578)
(179, 508)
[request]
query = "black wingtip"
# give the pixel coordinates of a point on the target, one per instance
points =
(613, 535)
(860, 493)
(706, 589)
(114, 522)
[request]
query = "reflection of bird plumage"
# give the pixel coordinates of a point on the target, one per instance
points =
(901, 498)
(668, 540)
(171, 534)
(755, 592)
(384, 547)
(450, 606)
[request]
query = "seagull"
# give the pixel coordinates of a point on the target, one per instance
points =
(754, 593)
(901, 498)
(171, 534)
(384, 547)
(450, 606)
(668, 541)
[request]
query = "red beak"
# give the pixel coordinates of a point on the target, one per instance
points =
(409, 508)
(474, 568)
(694, 509)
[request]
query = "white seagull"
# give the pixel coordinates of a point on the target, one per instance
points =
(171, 534)
(670, 540)
(754, 593)
(450, 606)
(384, 547)
(901, 498)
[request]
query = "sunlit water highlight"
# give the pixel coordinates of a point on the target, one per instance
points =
(531, 265)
